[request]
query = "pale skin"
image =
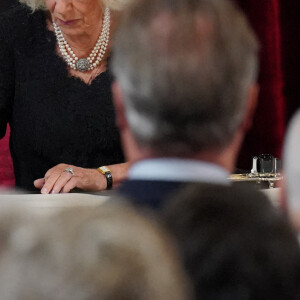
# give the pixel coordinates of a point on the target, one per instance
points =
(81, 23)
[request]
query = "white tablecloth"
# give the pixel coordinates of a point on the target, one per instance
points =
(52, 203)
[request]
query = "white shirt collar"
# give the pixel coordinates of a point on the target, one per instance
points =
(175, 169)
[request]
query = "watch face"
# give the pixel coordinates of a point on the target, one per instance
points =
(104, 169)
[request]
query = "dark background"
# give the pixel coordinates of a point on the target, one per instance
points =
(277, 25)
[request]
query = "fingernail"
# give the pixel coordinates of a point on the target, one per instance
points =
(44, 191)
(53, 192)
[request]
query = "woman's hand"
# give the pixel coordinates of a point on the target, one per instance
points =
(58, 180)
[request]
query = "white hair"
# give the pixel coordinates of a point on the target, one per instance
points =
(185, 87)
(107, 253)
(291, 163)
(40, 4)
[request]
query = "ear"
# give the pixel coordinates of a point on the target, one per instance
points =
(131, 150)
(251, 107)
(121, 119)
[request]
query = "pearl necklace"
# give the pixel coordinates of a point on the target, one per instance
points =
(95, 57)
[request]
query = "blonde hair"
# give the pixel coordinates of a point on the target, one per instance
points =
(40, 4)
(106, 253)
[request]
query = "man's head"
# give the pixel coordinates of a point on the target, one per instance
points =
(85, 253)
(185, 71)
(235, 244)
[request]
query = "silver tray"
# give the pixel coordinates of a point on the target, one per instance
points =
(257, 178)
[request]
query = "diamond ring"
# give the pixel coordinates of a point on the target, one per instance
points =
(69, 170)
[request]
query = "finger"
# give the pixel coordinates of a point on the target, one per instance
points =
(51, 181)
(39, 183)
(70, 185)
(64, 178)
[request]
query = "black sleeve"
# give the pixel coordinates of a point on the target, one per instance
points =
(6, 75)
(7, 4)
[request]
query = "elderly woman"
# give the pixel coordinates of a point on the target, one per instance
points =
(55, 94)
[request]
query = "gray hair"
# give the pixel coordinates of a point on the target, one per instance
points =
(185, 68)
(40, 4)
(108, 253)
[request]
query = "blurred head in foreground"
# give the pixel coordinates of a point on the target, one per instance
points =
(291, 167)
(185, 79)
(235, 244)
(108, 253)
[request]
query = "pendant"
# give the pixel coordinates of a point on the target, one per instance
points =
(83, 65)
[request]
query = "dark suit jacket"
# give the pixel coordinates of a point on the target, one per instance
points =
(148, 193)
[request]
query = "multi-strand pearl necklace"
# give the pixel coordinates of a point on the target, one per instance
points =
(95, 57)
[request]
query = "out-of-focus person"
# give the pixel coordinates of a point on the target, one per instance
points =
(55, 92)
(235, 244)
(109, 253)
(185, 93)
(291, 168)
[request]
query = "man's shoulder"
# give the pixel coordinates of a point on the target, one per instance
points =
(148, 185)
(149, 193)
(156, 193)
